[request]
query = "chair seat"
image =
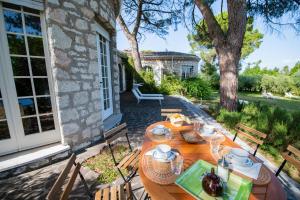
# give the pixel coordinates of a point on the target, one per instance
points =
(130, 162)
(116, 192)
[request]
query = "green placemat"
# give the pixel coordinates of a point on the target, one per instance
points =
(237, 187)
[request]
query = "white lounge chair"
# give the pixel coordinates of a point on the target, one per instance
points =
(148, 95)
(289, 95)
(143, 97)
(268, 95)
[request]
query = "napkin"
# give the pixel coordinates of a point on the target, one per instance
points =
(251, 172)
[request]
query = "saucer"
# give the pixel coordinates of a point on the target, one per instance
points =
(159, 130)
(163, 153)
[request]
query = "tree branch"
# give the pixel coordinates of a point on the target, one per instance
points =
(124, 27)
(138, 18)
(215, 32)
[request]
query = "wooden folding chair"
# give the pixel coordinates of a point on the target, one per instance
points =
(116, 192)
(250, 134)
(167, 112)
(129, 162)
(288, 157)
(61, 191)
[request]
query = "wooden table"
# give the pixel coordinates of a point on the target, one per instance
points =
(192, 153)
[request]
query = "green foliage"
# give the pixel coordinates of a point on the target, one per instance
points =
(277, 84)
(253, 69)
(250, 83)
(295, 69)
(171, 84)
(200, 39)
(147, 78)
(278, 135)
(196, 87)
(281, 126)
(230, 119)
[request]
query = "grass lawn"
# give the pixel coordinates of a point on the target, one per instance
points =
(104, 165)
(282, 102)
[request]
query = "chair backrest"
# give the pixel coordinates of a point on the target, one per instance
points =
(288, 156)
(115, 133)
(167, 112)
(61, 191)
(138, 91)
(251, 134)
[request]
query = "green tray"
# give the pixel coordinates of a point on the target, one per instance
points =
(237, 187)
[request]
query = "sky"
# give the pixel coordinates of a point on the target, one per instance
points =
(276, 50)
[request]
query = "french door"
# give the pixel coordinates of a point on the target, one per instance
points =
(105, 73)
(27, 116)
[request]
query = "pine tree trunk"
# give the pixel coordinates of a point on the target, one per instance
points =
(136, 55)
(228, 80)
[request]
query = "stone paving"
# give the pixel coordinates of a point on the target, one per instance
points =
(36, 184)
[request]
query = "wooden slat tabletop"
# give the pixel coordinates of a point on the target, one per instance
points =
(192, 153)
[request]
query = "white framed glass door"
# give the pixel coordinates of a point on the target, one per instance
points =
(26, 76)
(105, 73)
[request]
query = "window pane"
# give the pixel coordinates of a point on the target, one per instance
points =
(2, 111)
(20, 66)
(16, 44)
(23, 86)
(35, 46)
(13, 21)
(41, 86)
(47, 122)
(38, 66)
(30, 10)
(27, 106)
(12, 6)
(44, 105)
(4, 131)
(33, 25)
(30, 125)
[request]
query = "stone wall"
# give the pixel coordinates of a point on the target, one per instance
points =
(71, 28)
(161, 67)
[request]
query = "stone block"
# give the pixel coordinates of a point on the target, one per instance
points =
(60, 156)
(93, 67)
(59, 38)
(95, 95)
(80, 2)
(87, 12)
(69, 5)
(56, 2)
(94, 5)
(81, 24)
(61, 59)
(60, 74)
(80, 48)
(39, 163)
(58, 15)
(70, 128)
(67, 115)
(63, 101)
(93, 118)
(68, 86)
(80, 98)
(86, 86)
(91, 39)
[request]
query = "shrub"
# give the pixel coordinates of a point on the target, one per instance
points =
(230, 119)
(250, 83)
(171, 85)
(277, 84)
(197, 87)
(278, 136)
(147, 78)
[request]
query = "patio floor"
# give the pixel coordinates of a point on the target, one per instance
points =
(36, 184)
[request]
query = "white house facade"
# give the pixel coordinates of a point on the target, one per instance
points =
(59, 73)
(169, 62)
